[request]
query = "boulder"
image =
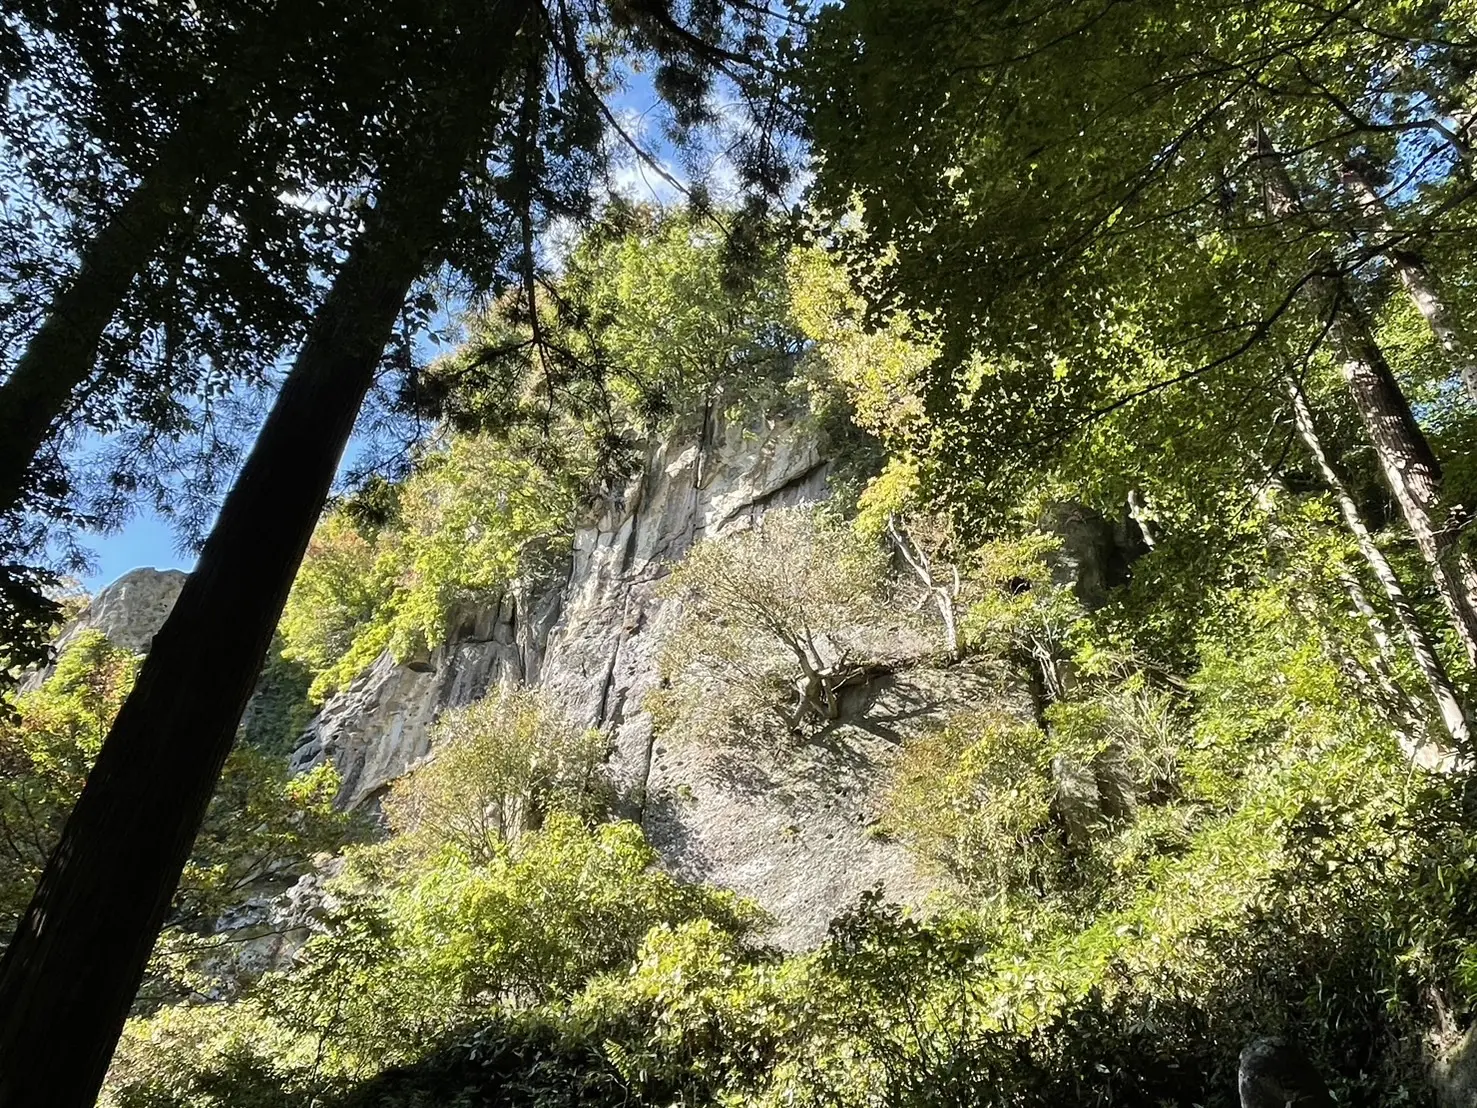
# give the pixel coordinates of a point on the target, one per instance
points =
(1274, 1073)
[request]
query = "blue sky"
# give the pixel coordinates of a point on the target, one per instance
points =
(146, 541)
(149, 541)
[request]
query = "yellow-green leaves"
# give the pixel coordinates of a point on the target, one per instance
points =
(474, 516)
(259, 822)
(498, 767)
(675, 325)
(880, 369)
(975, 799)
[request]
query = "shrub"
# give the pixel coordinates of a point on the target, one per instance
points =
(498, 767)
(776, 621)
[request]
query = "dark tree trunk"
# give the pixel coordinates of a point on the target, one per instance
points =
(1410, 468)
(205, 148)
(70, 974)
(1412, 473)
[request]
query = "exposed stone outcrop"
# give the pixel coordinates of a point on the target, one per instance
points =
(791, 828)
(378, 726)
(1453, 1061)
(1095, 554)
(267, 928)
(129, 612)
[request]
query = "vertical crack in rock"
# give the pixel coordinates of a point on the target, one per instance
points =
(702, 443)
(628, 554)
(643, 787)
(602, 715)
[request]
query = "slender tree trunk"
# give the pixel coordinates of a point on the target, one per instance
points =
(1379, 675)
(1374, 675)
(1416, 278)
(205, 148)
(1410, 467)
(945, 594)
(1453, 715)
(1460, 134)
(1464, 121)
(69, 976)
(1411, 717)
(1138, 511)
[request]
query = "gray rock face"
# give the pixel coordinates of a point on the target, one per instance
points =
(378, 726)
(129, 612)
(1095, 554)
(1453, 1058)
(794, 825)
(268, 928)
(787, 827)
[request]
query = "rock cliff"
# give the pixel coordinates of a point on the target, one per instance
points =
(791, 828)
(794, 827)
(129, 612)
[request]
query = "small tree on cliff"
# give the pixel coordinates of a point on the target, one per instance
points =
(781, 617)
(498, 767)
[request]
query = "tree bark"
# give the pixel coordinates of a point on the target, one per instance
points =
(1410, 468)
(945, 595)
(70, 974)
(205, 148)
(1417, 279)
(1448, 703)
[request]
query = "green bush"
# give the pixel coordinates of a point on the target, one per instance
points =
(474, 516)
(498, 767)
(410, 958)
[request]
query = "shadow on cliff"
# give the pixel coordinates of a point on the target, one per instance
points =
(667, 829)
(889, 708)
(848, 753)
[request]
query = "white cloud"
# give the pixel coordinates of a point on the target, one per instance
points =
(635, 180)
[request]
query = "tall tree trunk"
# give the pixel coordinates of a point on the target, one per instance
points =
(1410, 468)
(1416, 278)
(1453, 715)
(1374, 674)
(70, 974)
(204, 149)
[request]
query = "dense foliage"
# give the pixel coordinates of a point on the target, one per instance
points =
(656, 317)
(500, 766)
(262, 830)
(653, 324)
(460, 917)
(777, 620)
(1195, 813)
(1136, 340)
